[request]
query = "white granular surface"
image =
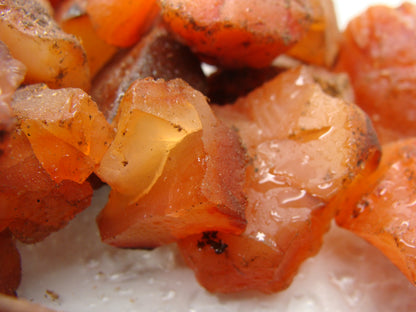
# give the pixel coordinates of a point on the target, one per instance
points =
(73, 271)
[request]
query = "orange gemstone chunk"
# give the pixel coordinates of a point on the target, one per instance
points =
(382, 207)
(68, 134)
(378, 51)
(321, 43)
(73, 19)
(122, 22)
(32, 204)
(304, 147)
(238, 33)
(174, 168)
(50, 55)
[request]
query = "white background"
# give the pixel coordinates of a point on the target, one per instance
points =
(346, 9)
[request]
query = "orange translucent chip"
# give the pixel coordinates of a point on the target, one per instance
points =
(321, 43)
(73, 19)
(68, 134)
(304, 148)
(238, 33)
(378, 51)
(32, 204)
(50, 55)
(382, 207)
(174, 168)
(122, 22)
